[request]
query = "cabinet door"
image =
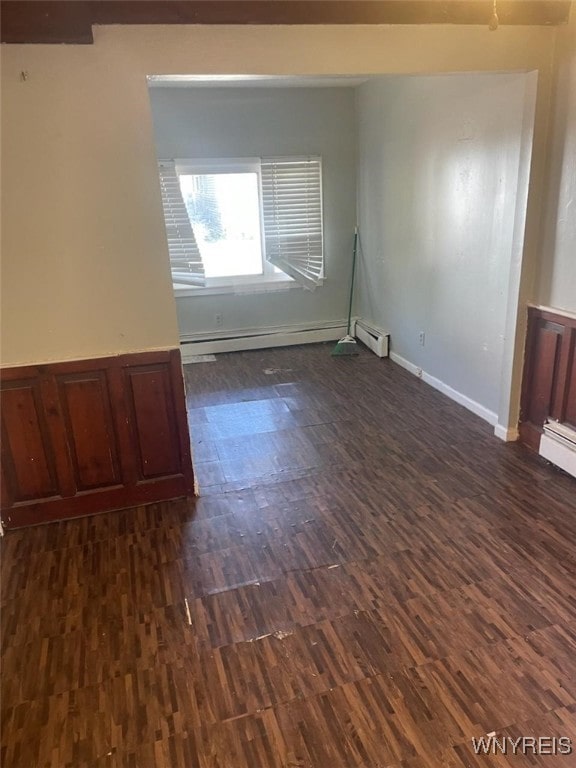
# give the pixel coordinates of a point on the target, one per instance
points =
(90, 431)
(28, 460)
(549, 379)
(88, 436)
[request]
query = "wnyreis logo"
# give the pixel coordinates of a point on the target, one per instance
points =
(522, 745)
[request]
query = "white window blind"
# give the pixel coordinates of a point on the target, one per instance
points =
(292, 212)
(185, 257)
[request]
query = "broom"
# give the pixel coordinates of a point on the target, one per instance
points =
(348, 344)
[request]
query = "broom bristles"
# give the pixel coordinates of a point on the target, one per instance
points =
(346, 346)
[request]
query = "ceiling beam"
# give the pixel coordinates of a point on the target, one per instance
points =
(70, 21)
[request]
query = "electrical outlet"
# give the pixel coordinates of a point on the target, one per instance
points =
(219, 320)
(422, 338)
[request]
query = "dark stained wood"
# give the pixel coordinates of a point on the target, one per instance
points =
(27, 455)
(49, 21)
(95, 501)
(530, 434)
(93, 435)
(368, 578)
(87, 413)
(5, 499)
(57, 427)
(119, 403)
(546, 350)
(549, 378)
(154, 420)
(570, 402)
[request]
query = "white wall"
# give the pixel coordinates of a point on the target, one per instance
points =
(85, 269)
(84, 261)
(557, 279)
(254, 122)
(439, 168)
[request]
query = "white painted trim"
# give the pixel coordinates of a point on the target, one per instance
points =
(237, 287)
(261, 341)
(508, 434)
(447, 390)
(558, 453)
(554, 311)
(521, 257)
(262, 330)
(561, 432)
(114, 353)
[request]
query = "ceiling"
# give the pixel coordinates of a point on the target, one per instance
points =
(71, 21)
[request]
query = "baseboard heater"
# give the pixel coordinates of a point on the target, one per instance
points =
(237, 341)
(374, 338)
(558, 445)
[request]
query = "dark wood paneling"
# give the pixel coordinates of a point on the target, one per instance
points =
(93, 435)
(94, 448)
(570, 412)
(546, 347)
(96, 501)
(530, 434)
(549, 380)
(154, 421)
(27, 451)
(46, 21)
(5, 498)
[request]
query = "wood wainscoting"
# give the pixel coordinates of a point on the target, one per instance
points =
(549, 380)
(93, 435)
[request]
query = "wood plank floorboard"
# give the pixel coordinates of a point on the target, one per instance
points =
(368, 579)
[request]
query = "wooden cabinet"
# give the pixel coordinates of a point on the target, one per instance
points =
(93, 435)
(549, 379)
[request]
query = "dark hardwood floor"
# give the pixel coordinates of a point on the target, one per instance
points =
(369, 578)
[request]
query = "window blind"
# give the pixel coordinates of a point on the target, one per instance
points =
(185, 257)
(292, 213)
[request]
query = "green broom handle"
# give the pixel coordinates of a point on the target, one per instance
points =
(352, 281)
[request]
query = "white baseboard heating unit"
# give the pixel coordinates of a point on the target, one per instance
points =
(192, 345)
(558, 445)
(374, 338)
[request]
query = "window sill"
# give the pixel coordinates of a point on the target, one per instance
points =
(258, 286)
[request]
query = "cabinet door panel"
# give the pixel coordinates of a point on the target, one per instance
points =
(86, 436)
(571, 396)
(547, 346)
(27, 451)
(154, 417)
(549, 377)
(92, 440)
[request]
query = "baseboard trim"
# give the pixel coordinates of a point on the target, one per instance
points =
(441, 386)
(507, 434)
(261, 330)
(238, 341)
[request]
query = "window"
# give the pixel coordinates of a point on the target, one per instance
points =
(292, 203)
(245, 221)
(222, 201)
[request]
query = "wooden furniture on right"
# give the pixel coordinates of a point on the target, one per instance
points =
(549, 380)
